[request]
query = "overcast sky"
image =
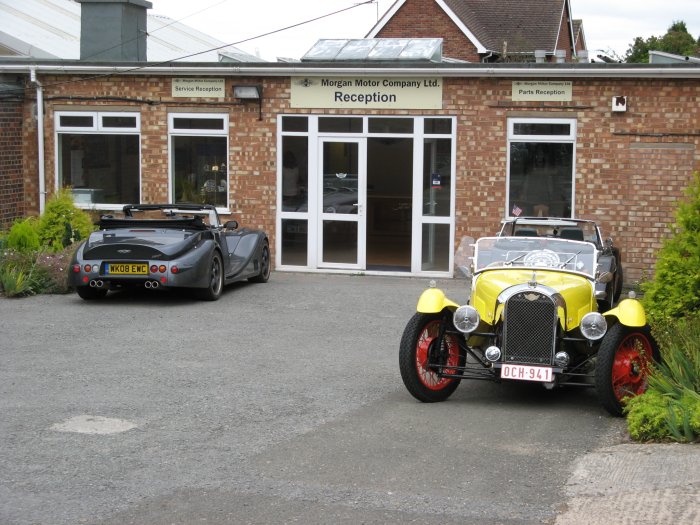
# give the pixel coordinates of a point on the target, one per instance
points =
(608, 24)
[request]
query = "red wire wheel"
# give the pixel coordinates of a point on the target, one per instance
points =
(420, 358)
(625, 360)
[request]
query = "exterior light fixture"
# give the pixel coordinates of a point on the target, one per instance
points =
(248, 93)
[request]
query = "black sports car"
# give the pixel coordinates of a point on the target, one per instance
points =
(162, 246)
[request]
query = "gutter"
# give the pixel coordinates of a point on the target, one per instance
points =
(323, 70)
(40, 138)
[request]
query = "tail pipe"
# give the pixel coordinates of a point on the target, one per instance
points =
(151, 285)
(96, 283)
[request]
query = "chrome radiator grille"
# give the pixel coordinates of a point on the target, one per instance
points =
(529, 330)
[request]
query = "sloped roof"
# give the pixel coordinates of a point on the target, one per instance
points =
(526, 25)
(579, 35)
(51, 29)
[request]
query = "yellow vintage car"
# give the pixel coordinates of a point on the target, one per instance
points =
(532, 315)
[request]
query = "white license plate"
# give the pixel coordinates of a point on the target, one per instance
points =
(526, 373)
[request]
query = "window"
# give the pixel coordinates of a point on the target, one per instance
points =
(199, 158)
(541, 154)
(99, 157)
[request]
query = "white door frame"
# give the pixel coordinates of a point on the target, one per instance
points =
(360, 217)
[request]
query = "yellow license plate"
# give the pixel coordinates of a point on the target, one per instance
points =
(127, 269)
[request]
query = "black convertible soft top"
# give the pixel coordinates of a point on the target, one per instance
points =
(174, 216)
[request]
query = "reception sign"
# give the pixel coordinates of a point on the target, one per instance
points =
(366, 93)
(199, 87)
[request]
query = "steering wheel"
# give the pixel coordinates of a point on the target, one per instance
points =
(542, 258)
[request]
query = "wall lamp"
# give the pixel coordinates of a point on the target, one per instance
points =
(248, 93)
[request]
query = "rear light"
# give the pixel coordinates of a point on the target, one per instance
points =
(88, 268)
(163, 280)
(76, 268)
(162, 268)
(174, 269)
(154, 268)
(85, 279)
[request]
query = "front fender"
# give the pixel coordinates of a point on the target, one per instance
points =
(629, 312)
(434, 300)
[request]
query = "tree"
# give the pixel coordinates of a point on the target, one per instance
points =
(677, 40)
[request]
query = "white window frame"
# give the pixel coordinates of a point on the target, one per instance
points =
(95, 129)
(224, 132)
(570, 138)
(418, 219)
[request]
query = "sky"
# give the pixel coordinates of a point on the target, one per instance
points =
(609, 25)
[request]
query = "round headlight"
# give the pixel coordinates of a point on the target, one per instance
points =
(466, 319)
(593, 326)
(493, 353)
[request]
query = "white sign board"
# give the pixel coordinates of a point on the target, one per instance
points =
(542, 91)
(199, 87)
(366, 93)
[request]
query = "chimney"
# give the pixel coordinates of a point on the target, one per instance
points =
(113, 30)
(560, 55)
(582, 56)
(540, 55)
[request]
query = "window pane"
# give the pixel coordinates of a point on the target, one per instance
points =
(391, 125)
(200, 165)
(340, 242)
(438, 126)
(437, 177)
(119, 122)
(436, 248)
(73, 121)
(295, 124)
(294, 242)
(541, 129)
(340, 125)
(295, 174)
(541, 179)
(198, 123)
(100, 168)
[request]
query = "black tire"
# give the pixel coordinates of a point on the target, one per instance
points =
(623, 365)
(265, 265)
(216, 280)
(91, 294)
(619, 281)
(417, 351)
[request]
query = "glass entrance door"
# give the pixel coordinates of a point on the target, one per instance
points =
(342, 195)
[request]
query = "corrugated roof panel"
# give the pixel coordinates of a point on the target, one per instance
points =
(376, 49)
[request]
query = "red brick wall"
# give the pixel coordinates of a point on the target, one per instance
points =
(426, 19)
(11, 163)
(631, 167)
(564, 41)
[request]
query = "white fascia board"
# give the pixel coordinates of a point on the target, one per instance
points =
(385, 19)
(573, 72)
(480, 48)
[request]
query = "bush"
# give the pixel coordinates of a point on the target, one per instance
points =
(670, 408)
(23, 236)
(62, 223)
(51, 271)
(675, 289)
(17, 277)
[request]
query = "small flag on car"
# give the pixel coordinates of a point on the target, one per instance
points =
(516, 210)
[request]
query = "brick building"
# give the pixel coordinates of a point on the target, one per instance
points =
(374, 155)
(371, 166)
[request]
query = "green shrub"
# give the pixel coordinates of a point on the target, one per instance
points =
(670, 408)
(23, 236)
(62, 223)
(17, 277)
(51, 271)
(675, 288)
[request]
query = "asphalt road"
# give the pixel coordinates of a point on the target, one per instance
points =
(280, 403)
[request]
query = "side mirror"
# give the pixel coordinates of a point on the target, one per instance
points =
(231, 225)
(605, 277)
(609, 242)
